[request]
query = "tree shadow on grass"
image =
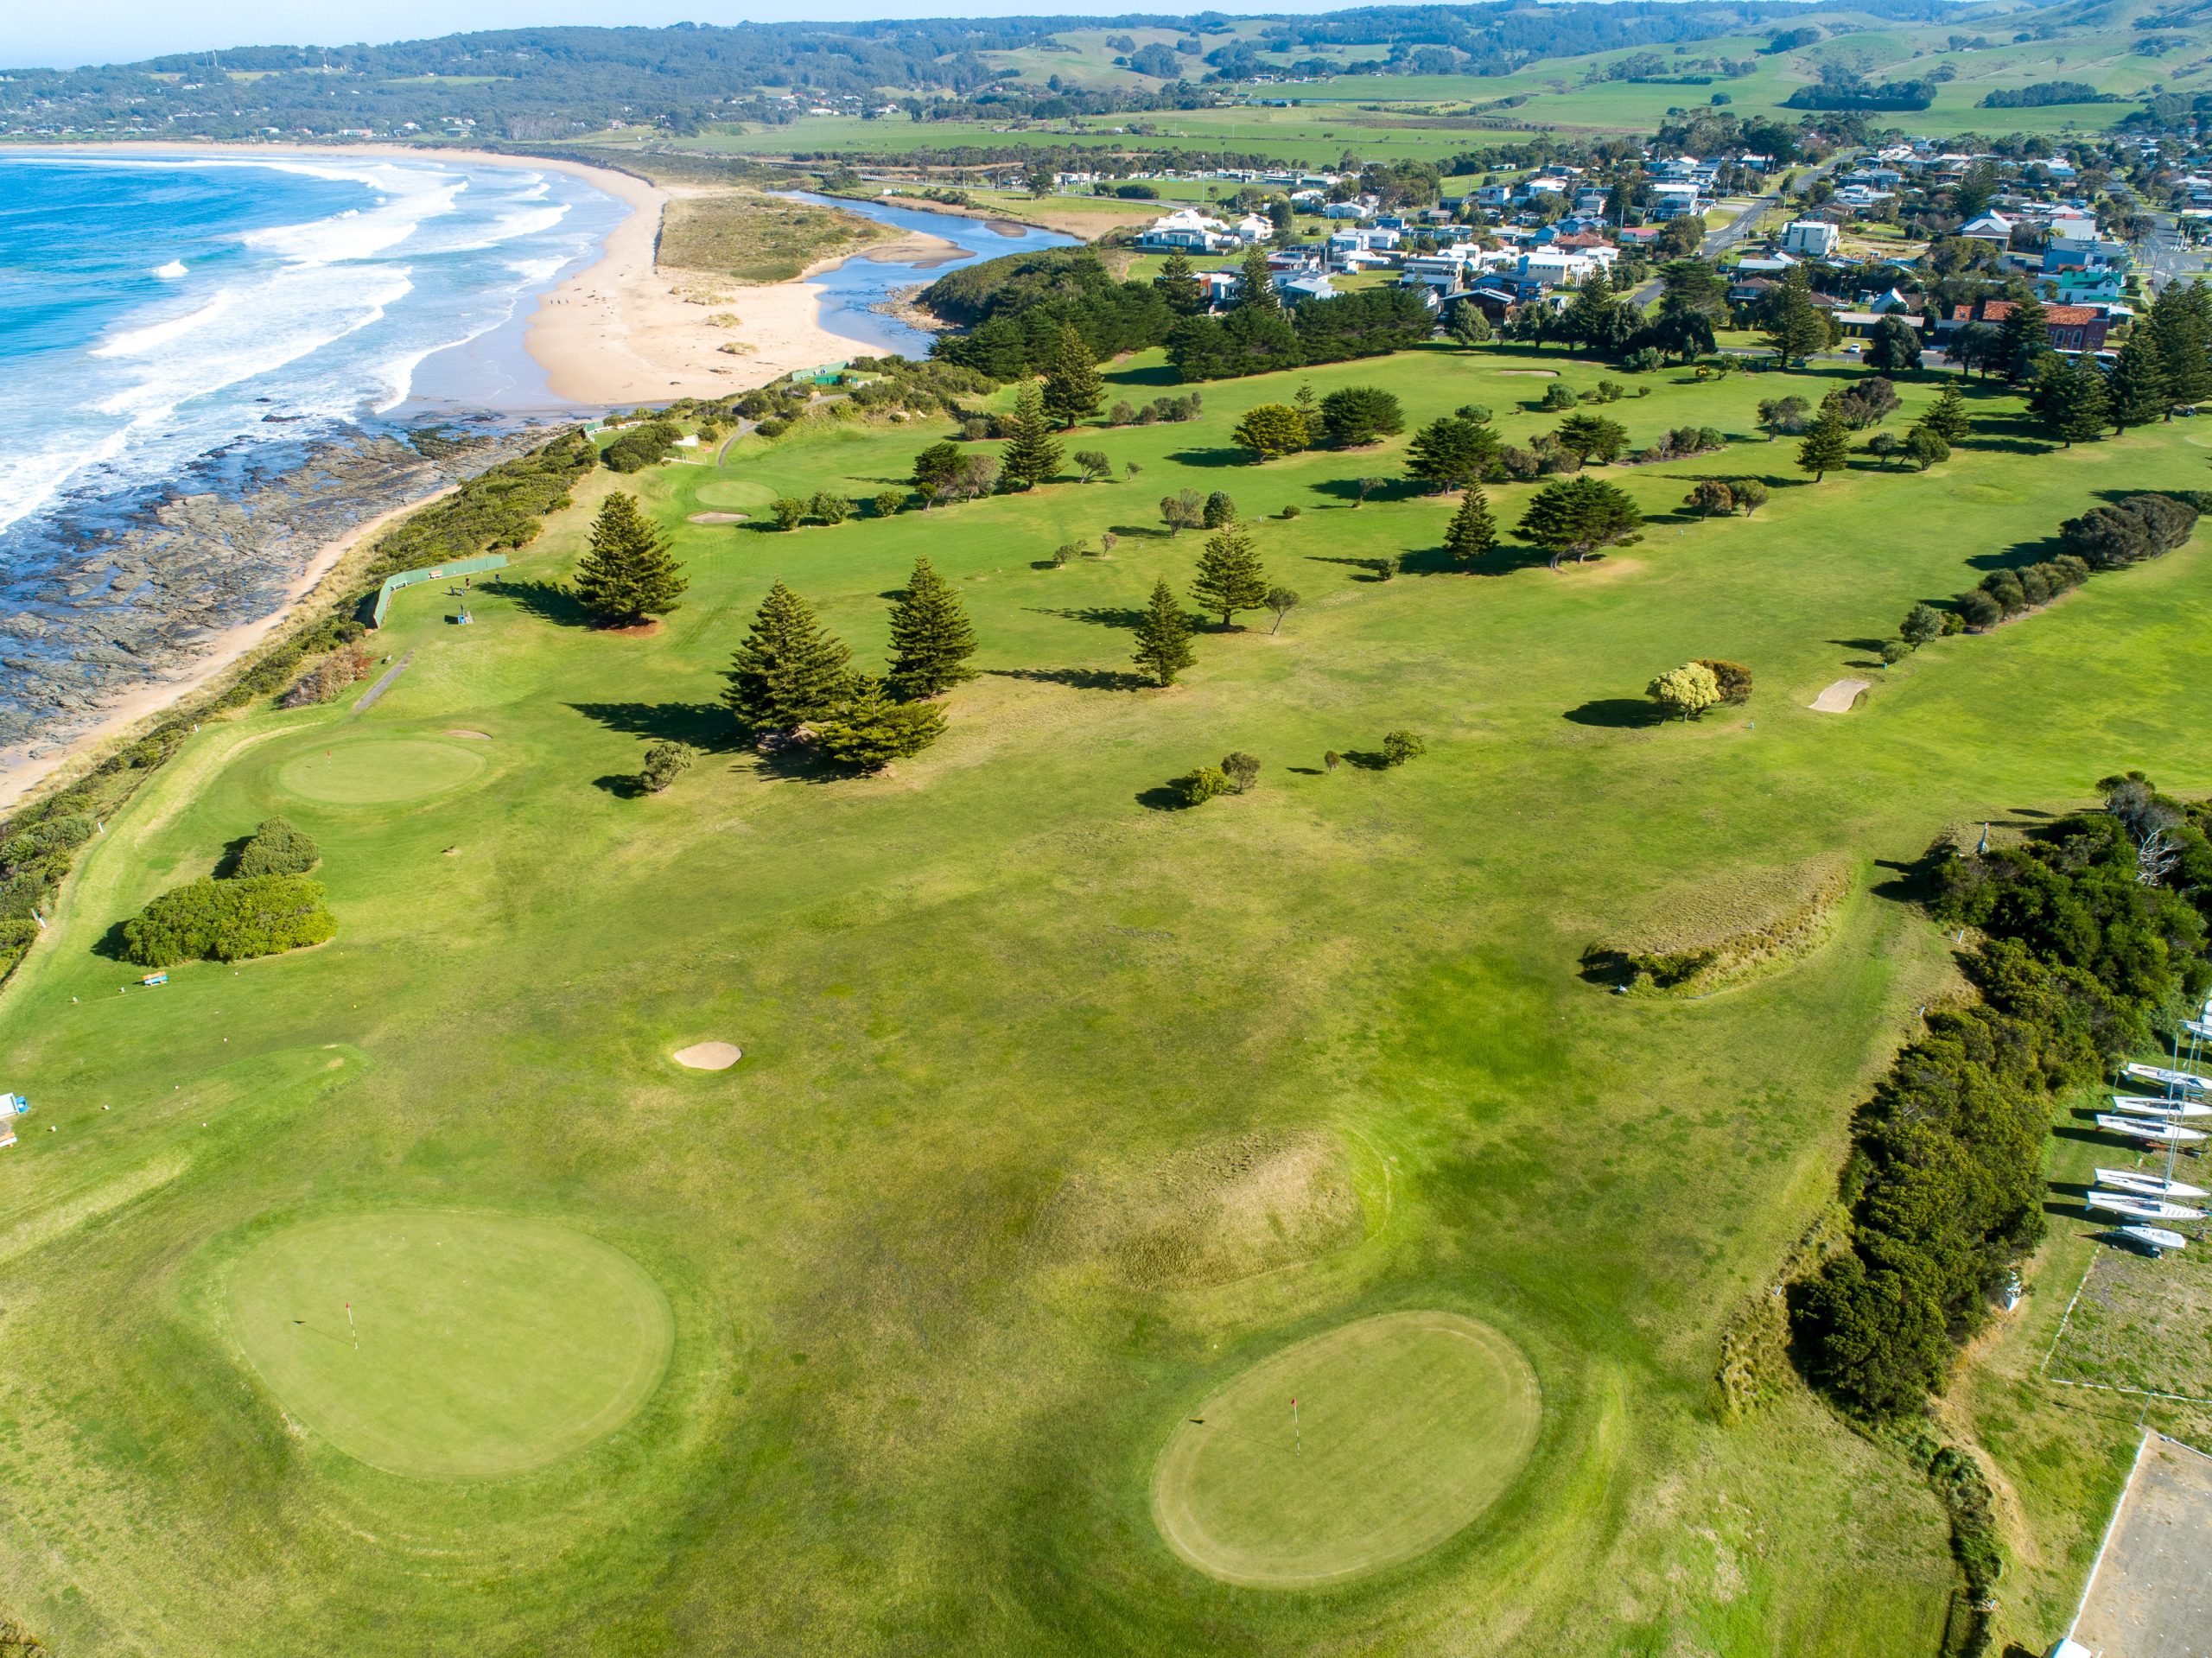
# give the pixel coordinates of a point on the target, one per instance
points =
(2020, 554)
(1916, 883)
(1162, 797)
(1211, 457)
(1122, 616)
(621, 785)
(1081, 679)
(1367, 759)
(110, 944)
(1371, 569)
(1390, 489)
(1617, 713)
(549, 600)
(1158, 374)
(702, 725)
(1141, 532)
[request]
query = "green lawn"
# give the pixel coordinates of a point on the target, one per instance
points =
(997, 1195)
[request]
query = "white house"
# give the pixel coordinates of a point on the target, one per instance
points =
(1354, 210)
(1993, 228)
(1253, 227)
(1674, 201)
(1187, 231)
(1811, 238)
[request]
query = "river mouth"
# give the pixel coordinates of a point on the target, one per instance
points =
(861, 295)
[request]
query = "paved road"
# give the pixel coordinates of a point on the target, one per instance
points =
(2167, 254)
(1738, 229)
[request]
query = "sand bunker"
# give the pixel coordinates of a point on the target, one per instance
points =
(710, 1055)
(716, 517)
(1839, 697)
(472, 736)
(1533, 374)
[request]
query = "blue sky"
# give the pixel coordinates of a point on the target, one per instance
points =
(120, 31)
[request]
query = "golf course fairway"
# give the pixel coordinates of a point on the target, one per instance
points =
(1406, 1428)
(478, 1345)
(378, 770)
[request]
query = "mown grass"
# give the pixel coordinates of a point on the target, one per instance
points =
(904, 1410)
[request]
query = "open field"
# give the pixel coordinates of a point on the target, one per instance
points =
(1059, 1113)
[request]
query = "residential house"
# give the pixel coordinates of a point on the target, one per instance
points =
(2071, 328)
(1811, 238)
(1992, 228)
(1675, 201)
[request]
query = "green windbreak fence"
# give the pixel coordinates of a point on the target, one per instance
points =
(435, 573)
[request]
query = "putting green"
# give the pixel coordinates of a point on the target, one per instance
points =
(487, 1345)
(1408, 1426)
(378, 770)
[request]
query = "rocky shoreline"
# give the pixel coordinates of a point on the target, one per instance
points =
(106, 601)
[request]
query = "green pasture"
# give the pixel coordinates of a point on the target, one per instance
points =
(1059, 1112)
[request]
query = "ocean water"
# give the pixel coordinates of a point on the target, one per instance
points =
(156, 310)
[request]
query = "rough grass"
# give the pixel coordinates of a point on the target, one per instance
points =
(892, 1419)
(749, 237)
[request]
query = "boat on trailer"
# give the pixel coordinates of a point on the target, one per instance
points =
(2156, 1239)
(2165, 1079)
(2148, 1128)
(2151, 1186)
(2137, 1207)
(2142, 1105)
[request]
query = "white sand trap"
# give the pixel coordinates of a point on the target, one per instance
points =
(1533, 374)
(716, 517)
(710, 1055)
(472, 736)
(1838, 697)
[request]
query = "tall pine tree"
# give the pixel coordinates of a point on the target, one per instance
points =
(1163, 636)
(1947, 417)
(1255, 283)
(2024, 338)
(1030, 456)
(1827, 442)
(930, 638)
(866, 730)
(2137, 385)
(1230, 577)
(2181, 322)
(1073, 385)
(1795, 326)
(1471, 533)
(2069, 402)
(1180, 287)
(626, 575)
(791, 670)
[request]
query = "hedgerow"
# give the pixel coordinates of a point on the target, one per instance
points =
(228, 921)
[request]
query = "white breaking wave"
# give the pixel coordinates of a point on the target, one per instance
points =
(138, 342)
(170, 271)
(409, 197)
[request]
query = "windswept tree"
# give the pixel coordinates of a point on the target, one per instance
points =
(790, 670)
(1031, 456)
(1592, 438)
(1780, 415)
(1231, 577)
(1451, 453)
(1184, 510)
(1579, 515)
(934, 470)
(1472, 533)
(1281, 601)
(930, 636)
(1270, 429)
(628, 573)
(1895, 347)
(1163, 636)
(1072, 385)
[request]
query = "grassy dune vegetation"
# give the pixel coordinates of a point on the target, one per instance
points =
(755, 238)
(1059, 1111)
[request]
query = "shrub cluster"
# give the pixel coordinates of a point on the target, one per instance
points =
(325, 679)
(1160, 409)
(277, 848)
(228, 921)
(2003, 595)
(1685, 440)
(640, 447)
(1259, 340)
(2140, 527)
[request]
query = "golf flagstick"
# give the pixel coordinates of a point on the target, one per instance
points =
(1297, 1433)
(350, 1331)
